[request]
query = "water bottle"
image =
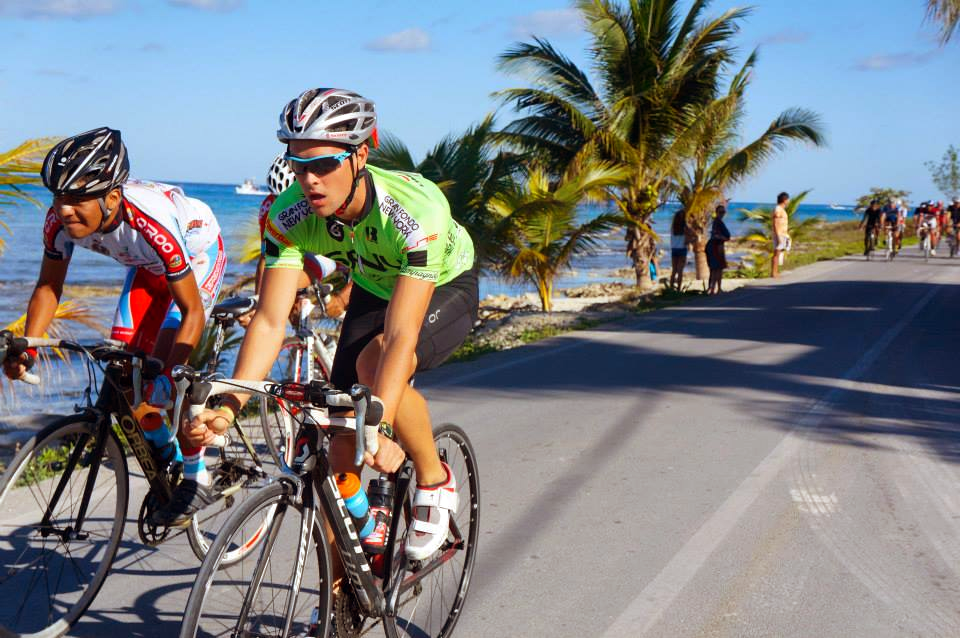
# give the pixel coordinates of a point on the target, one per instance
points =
(356, 501)
(380, 495)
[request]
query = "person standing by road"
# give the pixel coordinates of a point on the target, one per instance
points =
(716, 251)
(781, 240)
(678, 248)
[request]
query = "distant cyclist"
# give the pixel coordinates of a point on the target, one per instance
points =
(891, 221)
(175, 262)
(925, 218)
(870, 221)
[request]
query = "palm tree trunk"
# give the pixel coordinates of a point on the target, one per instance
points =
(700, 256)
(545, 290)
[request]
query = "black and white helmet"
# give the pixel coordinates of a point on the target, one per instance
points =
(329, 115)
(90, 164)
(279, 177)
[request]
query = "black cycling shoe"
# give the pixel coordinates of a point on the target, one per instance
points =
(188, 498)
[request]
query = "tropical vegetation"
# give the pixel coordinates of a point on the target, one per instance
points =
(947, 13)
(882, 195)
(717, 163)
(946, 173)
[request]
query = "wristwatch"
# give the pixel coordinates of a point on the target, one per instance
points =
(387, 430)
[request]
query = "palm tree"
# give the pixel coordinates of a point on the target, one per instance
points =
(19, 167)
(540, 218)
(470, 171)
(761, 233)
(717, 164)
(654, 64)
(947, 13)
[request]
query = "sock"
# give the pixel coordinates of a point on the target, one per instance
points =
(194, 468)
(158, 434)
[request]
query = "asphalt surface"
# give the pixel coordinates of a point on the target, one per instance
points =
(779, 461)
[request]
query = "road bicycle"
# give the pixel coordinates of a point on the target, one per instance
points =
(64, 496)
(891, 247)
(869, 242)
(925, 243)
(285, 588)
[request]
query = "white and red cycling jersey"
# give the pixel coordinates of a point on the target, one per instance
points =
(158, 230)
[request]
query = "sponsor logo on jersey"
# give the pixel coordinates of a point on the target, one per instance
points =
(97, 247)
(158, 238)
(426, 275)
(335, 228)
(419, 243)
(292, 215)
(401, 219)
(194, 223)
(371, 234)
(175, 262)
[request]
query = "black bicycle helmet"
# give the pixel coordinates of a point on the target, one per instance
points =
(90, 164)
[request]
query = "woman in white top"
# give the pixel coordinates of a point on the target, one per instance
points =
(678, 248)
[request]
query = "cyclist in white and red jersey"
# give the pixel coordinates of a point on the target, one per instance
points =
(172, 247)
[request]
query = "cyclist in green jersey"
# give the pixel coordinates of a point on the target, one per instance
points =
(414, 298)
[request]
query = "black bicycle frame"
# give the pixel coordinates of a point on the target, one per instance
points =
(110, 402)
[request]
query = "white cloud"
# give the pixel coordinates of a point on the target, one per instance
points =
(893, 60)
(787, 36)
(548, 23)
(221, 6)
(58, 8)
(404, 41)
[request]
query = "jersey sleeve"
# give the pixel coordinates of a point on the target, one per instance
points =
(318, 266)
(56, 245)
(160, 229)
(279, 251)
(418, 239)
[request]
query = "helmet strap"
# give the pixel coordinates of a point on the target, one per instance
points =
(357, 176)
(104, 213)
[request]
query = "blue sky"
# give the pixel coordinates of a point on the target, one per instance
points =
(196, 85)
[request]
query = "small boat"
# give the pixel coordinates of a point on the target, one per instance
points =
(249, 188)
(835, 207)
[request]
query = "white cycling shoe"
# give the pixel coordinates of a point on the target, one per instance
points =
(431, 517)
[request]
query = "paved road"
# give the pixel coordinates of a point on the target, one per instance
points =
(781, 461)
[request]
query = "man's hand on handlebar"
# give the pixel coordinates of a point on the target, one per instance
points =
(15, 367)
(202, 430)
(389, 457)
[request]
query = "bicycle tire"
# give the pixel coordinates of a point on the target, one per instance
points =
(209, 610)
(234, 477)
(23, 487)
(441, 618)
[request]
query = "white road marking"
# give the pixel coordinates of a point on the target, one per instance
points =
(648, 607)
(813, 503)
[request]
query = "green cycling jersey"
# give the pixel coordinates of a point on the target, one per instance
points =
(405, 229)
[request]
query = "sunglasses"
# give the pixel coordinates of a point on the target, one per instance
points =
(320, 165)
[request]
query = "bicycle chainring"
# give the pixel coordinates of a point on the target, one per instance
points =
(347, 617)
(150, 534)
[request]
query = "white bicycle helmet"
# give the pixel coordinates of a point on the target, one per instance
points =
(279, 177)
(329, 115)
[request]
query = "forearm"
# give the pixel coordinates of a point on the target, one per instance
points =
(257, 354)
(259, 275)
(41, 309)
(187, 337)
(396, 366)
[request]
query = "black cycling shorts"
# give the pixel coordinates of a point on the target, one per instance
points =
(449, 319)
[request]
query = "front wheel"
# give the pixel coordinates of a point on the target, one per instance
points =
(281, 589)
(51, 573)
(433, 591)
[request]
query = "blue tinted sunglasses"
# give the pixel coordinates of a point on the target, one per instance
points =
(320, 165)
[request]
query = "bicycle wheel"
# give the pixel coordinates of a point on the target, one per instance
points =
(50, 576)
(276, 423)
(257, 596)
(234, 477)
(432, 595)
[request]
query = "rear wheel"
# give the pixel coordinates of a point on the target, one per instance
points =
(51, 575)
(433, 591)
